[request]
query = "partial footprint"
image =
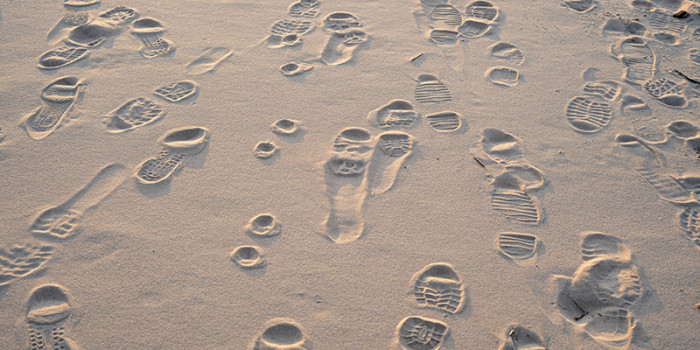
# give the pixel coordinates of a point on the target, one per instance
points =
(588, 116)
(48, 309)
(150, 31)
(391, 149)
(77, 11)
(600, 245)
(667, 92)
(609, 281)
(695, 56)
(60, 221)
(446, 15)
(666, 38)
(208, 60)
(263, 226)
(482, 10)
(248, 257)
(518, 337)
(91, 34)
(690, 224)
(304, 8)
(446, 121)
(637, 58)
(341, 21)
(286, 127)
(22, 260)
(611, 326)
(420, 333)
(265, 149)
(341, 46)
(443, 36)
(607, 89)
(580, 6)
(281, 334)
(295, 68)
(346, 184)
(177, 91)
(472, 28)
(431, 90)
(177, 144)
(624, 27)
(643, 5)
(439, 287)
(395, 114)
(57, 100)
(133, 114)
(120, 15)
(288, 32)
(642, 119)
(61, 57)
(510, 198)
(503, 76)
(508, 53)
(662, 20)
(647, 162)
(501, 147)
(517, 246)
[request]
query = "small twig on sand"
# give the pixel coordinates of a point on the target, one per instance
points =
(480, 163)
(686, 77)
(417, 57)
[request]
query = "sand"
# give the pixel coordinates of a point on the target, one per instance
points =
(349, 175)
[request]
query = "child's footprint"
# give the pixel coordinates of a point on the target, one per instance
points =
(61, 57)
(133, 114)
(346, 184)
(57, 99)
(61, 221)
(395, 114)
(420, 333)
(177, 144)
(208, 60)
(518, 337)
(281, 334)
(391, 149)
(22, 260)
(48, 309)
(438, 286)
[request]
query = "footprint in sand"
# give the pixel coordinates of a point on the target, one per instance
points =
(346, 184)
(342, 45)
(120, 15)
(286, 127)
(420, 333)
(507, 52)
(248, 257)
(472, 28)
(60, 221)
(288, 32)
(443, 36)
(57, 100)
(209, 60)
(637, 58)
(48, 310)
(517, 246)
(446, 121)
(91, 35)
(580, 6)
(19, 261)
(439, 287)
(265, 150)
(667, 92)
(133, 114)
(663, 21)
(482, 10)
(77, 11)
(304, 8)
(392, 148)
(623, 27)
(598, 297)
(281, 334)
(150, 31)
(648, 163)
(694, 56)
(177, 91)
(500, 146)
(445, 15)
(295, 68)
(587, 115)
(503, 76)
(518, 337)
(177, 144)
(640, 115)
(61, 57)
(690, 224)
(341, 21)
(395, 114)
(609, 90)
(510, 197)
(643, 5)
(263, 225)
(431, 90)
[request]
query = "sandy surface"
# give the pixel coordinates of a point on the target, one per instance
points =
(531, 181)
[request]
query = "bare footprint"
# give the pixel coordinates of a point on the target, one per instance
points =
(518, 337)
(282, 334)
(439, 287)
(209, 60)
(133, 114)
(431, 90)
(48, 309)
(57, 100)
(346, 184)
(286, 127)
(150, 31)
(647, 162)
(392, 148)
(177, 144)
(395, 114)
(248, 257)
(420, 333)
(61, 221)
(265, 149)
(263, 226)
(177, 91)
(637, 58)
(61, 57)
(342, 45)
(19, 261)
